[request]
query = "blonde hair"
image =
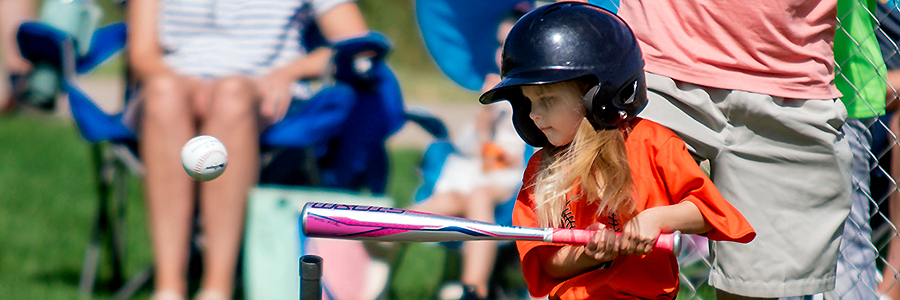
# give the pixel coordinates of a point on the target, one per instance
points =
(595, 160)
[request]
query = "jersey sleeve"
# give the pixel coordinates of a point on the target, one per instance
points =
(531, 253)
(685, 181)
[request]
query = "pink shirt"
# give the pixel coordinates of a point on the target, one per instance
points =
(775, 47)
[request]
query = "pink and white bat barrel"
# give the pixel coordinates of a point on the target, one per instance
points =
(361, 222)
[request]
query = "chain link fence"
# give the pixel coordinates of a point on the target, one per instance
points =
(867, 66)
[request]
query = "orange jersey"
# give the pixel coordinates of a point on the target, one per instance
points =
(663, 173)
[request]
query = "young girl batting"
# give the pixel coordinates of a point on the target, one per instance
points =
(573, 74)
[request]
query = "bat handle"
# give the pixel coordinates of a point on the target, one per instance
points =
(667, 241)
(670, 241)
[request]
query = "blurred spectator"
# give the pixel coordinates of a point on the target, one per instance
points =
(750, 88)
(13, 13)
(227, 69)
(485, 172)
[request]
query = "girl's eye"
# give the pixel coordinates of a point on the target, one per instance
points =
(546, 101)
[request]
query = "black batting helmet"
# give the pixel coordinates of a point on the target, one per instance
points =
(569, 40)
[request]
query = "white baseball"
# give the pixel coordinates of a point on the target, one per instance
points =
(204, 158)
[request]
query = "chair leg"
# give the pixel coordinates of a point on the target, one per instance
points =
(89, 267)
(109, 225)
(92, 253)
(117, 175)
(123, 161)
(134, 284)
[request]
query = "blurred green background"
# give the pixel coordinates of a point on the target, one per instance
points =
(48, 198)
(48, 205)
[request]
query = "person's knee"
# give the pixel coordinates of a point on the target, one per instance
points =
(489, 196)
(164, 96)
(445, 203)
(234, 97)
(480, 206)
(479, 198)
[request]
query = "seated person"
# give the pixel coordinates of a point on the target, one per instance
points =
(227, 69)
(12, 14)
(485, 172)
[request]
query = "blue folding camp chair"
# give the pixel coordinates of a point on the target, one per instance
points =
(343, 128)
(48, 46)
(462, 40)
(461, 37)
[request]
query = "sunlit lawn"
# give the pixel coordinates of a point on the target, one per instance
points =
(47, 209)
(48, 203)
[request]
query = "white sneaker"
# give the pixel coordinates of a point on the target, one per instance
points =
(451, 291)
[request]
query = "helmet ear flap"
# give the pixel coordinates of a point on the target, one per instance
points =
(601, 109)
(591, 102)
(605, 109)
(633, 98)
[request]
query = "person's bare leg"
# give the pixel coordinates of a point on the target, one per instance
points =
(446, 203)
(167, 124)
(478, 257)
(232, 118)
(13, 13)
(890, 285)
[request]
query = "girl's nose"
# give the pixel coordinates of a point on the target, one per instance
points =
(536, 112)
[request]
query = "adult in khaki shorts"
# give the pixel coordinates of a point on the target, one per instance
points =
(749, 86)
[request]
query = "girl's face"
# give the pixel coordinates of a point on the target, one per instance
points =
(556, 109)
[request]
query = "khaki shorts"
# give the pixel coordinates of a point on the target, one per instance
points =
(784, 163)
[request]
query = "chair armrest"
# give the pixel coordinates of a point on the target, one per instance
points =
(93, 123)
(42, 43)
(356, 58)
(105, 43)
(428, 121)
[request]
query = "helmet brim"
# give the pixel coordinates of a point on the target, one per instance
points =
(508, 88)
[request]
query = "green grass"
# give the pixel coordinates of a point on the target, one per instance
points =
(49, 203)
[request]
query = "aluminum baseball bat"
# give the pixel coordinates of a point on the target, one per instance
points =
(363, 222)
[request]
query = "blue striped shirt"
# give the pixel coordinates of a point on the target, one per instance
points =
(215, 38)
